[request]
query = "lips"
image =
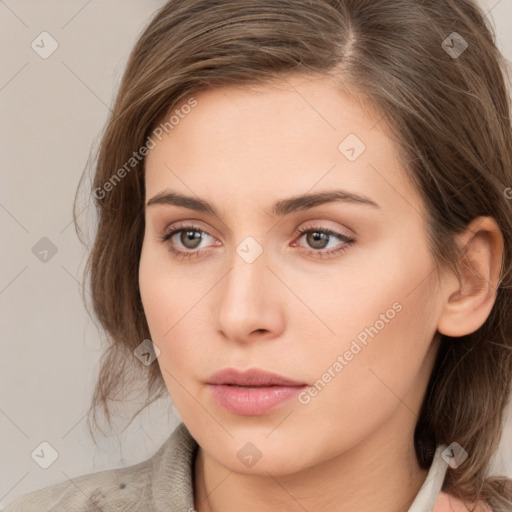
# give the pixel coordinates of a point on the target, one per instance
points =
(253, 392)
(251, 378)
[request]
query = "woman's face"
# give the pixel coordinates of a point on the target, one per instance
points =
(349, 307)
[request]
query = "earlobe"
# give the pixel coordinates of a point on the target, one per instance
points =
(469, 301)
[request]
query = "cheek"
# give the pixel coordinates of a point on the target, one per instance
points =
(385, 322)
(165, 294)
(384, 292)
(172, 303)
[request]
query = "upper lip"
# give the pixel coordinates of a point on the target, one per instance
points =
(251, 377)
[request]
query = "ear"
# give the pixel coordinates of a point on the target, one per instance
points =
(468, 302)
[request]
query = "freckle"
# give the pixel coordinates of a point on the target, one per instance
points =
(122, 486)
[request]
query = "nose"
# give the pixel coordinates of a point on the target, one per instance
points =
(250, 301)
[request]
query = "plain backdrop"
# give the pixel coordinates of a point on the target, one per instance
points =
(52, 111)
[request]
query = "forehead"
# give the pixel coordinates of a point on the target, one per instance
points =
(305, 104)
(286, 136)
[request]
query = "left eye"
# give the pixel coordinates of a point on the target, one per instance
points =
(320, 238)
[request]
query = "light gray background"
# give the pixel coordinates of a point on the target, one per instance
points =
(52, 111)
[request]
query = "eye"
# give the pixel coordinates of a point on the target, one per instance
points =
(184, 241)
(320, 240)
(187, 236)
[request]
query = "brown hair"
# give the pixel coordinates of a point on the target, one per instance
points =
(446, 105)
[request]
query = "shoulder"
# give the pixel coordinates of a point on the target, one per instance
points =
(142, 487)
(448, 503)
(126, 488)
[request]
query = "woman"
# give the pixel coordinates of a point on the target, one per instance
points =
(305, 236)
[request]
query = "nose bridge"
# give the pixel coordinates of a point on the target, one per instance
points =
(247, 302)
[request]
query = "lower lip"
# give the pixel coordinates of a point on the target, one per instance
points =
(252, 401)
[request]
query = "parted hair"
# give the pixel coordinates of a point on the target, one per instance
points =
(434, 73)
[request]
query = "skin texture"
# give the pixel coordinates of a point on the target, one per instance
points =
(291, 312)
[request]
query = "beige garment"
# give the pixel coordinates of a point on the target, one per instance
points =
(162, 483)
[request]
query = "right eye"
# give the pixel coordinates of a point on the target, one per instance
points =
(186, 237)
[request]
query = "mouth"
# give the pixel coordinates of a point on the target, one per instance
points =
(253, 377)
(252, 401)
(250, 387)
(252, 393)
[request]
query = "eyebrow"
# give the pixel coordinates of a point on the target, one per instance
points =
(279, 208)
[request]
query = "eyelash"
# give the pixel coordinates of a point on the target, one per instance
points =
(348, 241)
